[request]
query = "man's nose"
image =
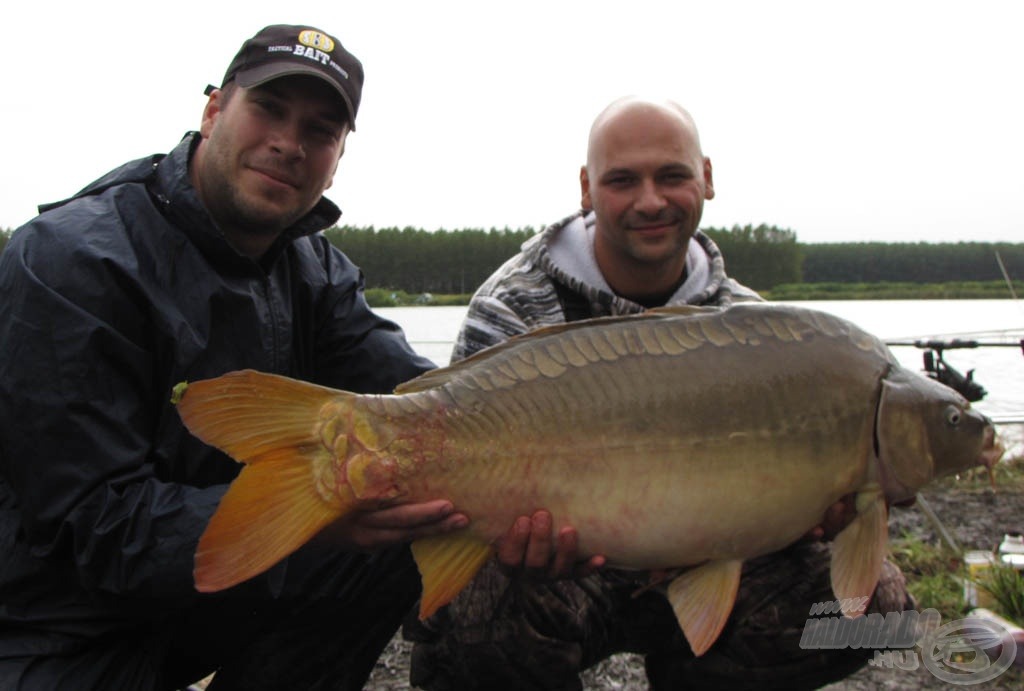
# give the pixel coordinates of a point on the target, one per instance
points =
(287, 140)
(650, 199)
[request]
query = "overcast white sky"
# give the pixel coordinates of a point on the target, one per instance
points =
(898, 121)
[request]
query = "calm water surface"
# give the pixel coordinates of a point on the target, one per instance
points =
(432, 330)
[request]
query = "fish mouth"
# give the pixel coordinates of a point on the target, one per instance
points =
(992, 448)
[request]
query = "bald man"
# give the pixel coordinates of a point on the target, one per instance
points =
(634, 245)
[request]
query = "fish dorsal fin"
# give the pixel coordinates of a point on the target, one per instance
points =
(858, 551)
(447, 564)
(703, 598)
(442, 375)
(682, 310)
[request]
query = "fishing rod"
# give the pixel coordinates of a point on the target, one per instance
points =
(1006, 276)
(936, 367)
(953, 343)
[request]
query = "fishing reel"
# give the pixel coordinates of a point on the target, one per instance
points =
(936, 367)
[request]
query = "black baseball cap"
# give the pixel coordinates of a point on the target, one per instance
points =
(282, 49)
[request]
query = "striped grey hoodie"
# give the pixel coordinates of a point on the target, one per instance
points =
(523, 295)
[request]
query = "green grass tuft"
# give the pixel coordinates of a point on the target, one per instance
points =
(1006, 585)
(934, 575)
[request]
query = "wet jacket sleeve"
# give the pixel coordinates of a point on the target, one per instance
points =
(81, 411)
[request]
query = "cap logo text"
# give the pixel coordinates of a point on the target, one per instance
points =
(312, 54)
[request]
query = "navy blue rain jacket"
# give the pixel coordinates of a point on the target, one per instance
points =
(107, 300)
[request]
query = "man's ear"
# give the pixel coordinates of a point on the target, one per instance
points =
(709, 185)
(213, 108)
(341, 152)
(585, 202)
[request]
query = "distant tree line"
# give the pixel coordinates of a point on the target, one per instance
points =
(761, 256)
(417, 261)
(456, 262)
(919, 262)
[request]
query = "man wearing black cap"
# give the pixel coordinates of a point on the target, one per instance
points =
(182, 267)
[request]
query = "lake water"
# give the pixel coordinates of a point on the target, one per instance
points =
(432, 331)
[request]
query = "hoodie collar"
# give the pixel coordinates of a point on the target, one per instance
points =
(566, 251)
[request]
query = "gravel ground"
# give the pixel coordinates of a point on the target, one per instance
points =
(976, 516)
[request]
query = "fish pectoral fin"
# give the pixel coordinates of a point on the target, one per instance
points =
(858, 551)
(447, 564)
(270, 510)
(702, 599)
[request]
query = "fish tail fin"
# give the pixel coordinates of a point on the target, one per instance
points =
(273, 507)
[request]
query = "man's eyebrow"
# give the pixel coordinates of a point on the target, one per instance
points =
(617, 171)
(269, 88)
(336, 115)
(667, 168)
(676, 167)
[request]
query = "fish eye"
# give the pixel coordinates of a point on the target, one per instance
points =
(953, 416)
